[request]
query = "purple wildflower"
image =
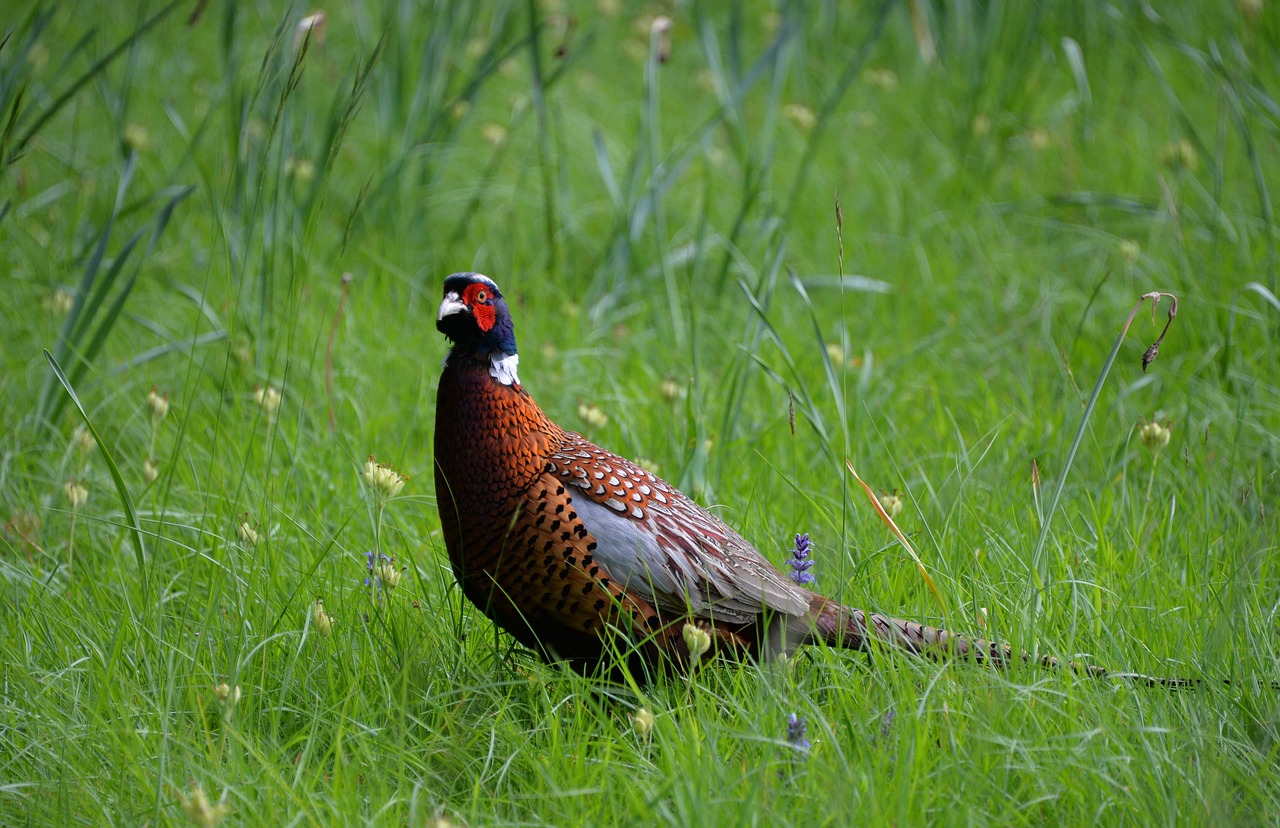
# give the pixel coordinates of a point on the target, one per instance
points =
(800, 562)
(371, 566)
(797, 730)
(886, 722)
(886, 732)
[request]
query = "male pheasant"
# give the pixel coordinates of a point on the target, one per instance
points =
(585, 556)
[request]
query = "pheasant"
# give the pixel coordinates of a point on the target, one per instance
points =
(590, 559)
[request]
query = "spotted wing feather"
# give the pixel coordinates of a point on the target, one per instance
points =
(665, 547)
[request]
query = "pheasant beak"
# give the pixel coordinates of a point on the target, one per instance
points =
(451, 305)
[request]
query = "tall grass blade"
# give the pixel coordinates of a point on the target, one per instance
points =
(897, 533)
(83, 80)
(75, 341)
(1039, 560)
(132, 525)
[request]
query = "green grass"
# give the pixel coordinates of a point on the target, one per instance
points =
(196, 191)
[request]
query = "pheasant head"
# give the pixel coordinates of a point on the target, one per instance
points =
(475, 318)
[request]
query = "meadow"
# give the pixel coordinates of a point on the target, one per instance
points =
(745, 250)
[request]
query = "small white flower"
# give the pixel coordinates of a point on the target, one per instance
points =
(1154, 435)
(801, 115)
(301, 170)
(642, 723)
(313, 25)
(661, 29)
(592, 415)
(199, 809)
(158, 405)
(76, 494)
(697, 640)
(390, 574)
(269, 399)
(322, 619)
(135, 138)
(83, 440)
(1180, 155)
(882, 78)
(245, 531)
(495, 134)
(891, 502)
(60, 301)
(227, 694)
(385, 481)
(1129, 251)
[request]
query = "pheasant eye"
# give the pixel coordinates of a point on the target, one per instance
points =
(482, 295)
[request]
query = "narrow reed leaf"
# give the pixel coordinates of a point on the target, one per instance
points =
(897, 533)
(133, 527)
(1033, 594)
(79, 83)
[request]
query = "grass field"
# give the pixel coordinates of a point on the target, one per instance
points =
(183, 190)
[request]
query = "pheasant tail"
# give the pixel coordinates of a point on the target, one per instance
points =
(855, 629)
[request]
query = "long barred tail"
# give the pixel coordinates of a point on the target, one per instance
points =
(855, 629)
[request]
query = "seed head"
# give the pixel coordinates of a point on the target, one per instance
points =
(801, 115)
(1180, 155)
(882, 78)
(60, 301)
(199, 809)
(227, 694)
(76, 494)
(381, 572)
(135, 138)
(301, 170)
(1154, 435)
(891, 502)
(158, 405)
(1129, 251)
(495, 134)
(269, 399)
(322, 619)
(385, 481)
(697, 640)
(313, 25)
(592, 415)
(642, 723)
(246, 532)
(389, 574)
(661, 31)
(670, 389)
(83, 440)
(149, 471)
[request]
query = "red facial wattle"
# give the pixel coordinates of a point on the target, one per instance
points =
(479, 299)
